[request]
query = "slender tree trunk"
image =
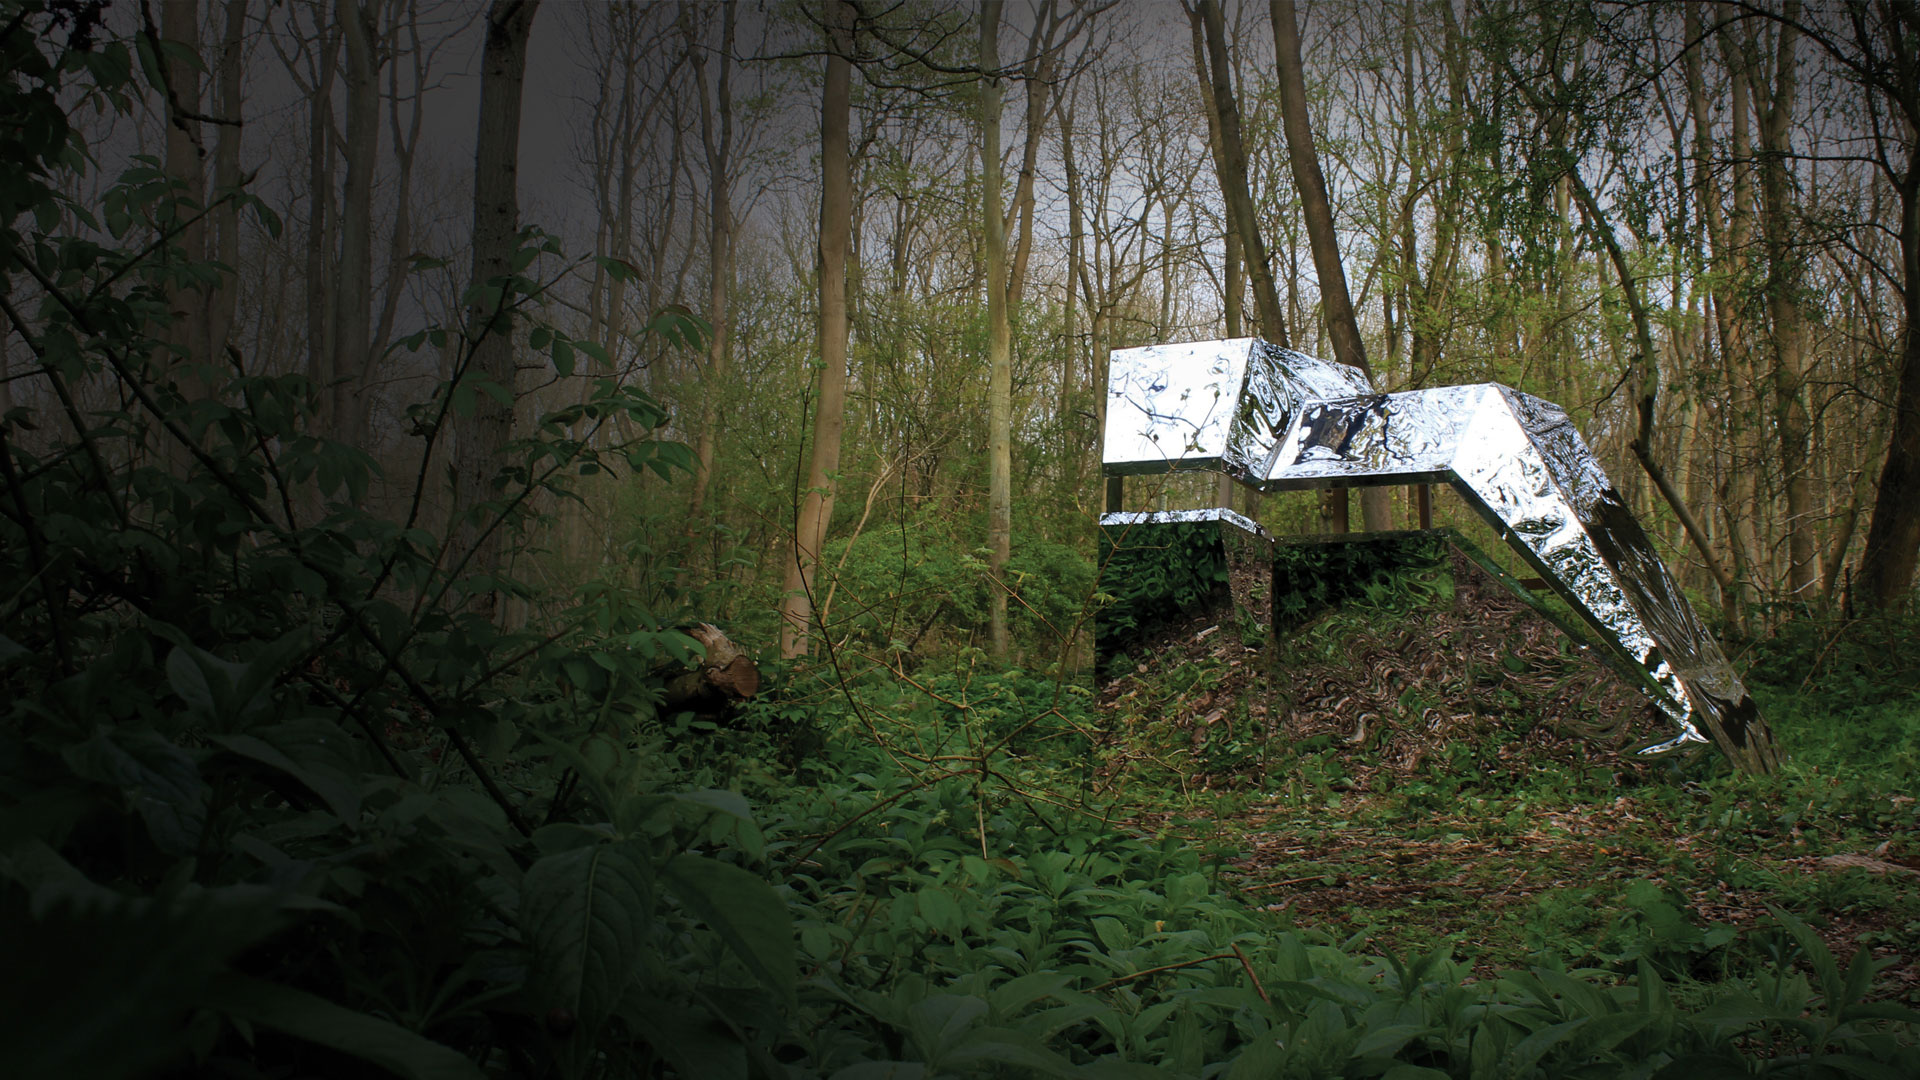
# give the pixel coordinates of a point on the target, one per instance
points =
(1893, 535)
(405, 141)
(1706, 199)
(999, 335)
(229, 74)
(1037, 74)
(716, 134)
(1646, 377)
(1376, 509)
(1791, 421)
(836, 239)
(1741, 500)
(1076, 268)
(1231, 166)
(185, 166)
(321, 221)
(496, 227)
(353, 283)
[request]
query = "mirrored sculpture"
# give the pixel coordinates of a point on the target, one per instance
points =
(1280, 420)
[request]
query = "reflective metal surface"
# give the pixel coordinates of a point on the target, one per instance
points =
(1211, 405)
(1183, 517)
(1281, 420)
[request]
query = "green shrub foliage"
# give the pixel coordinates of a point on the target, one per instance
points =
(274, 802)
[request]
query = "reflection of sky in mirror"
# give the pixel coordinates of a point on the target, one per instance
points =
(1170, 406)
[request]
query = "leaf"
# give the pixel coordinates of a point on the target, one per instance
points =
(744, 910)
(1112, 933)
(726, 802)
(1262, 1058)
(585, 914)
(278, 747)
(1880, 1010)
(617, 269)
(204, 681)
(160, 779)
(1817, 954)
(694, 1043)
(1016, 994)
(1742, 1010)
(937, 906)
(1009, 1048)
(1704, 1067)
(1387, 1041)
(883, 1070)
(317, 1020)
(940, 1021)
(1855, 1065)
(1521, 1059)
(1120, 1070)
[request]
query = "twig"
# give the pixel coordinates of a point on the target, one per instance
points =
(920, 785)
(1111, 983)
(71, 408)
(1248, 964)
(487, 781)
(1284, 884)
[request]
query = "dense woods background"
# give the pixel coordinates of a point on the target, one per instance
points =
(1509, 193)
(409, 406)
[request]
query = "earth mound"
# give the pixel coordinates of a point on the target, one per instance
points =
(1389, 648)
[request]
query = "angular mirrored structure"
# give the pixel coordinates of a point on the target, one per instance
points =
(1279, 420)
(1161, 567)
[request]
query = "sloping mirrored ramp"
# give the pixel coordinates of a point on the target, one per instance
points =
(1276, 420)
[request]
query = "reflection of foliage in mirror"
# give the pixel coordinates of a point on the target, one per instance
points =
(1154, 572)
(1312, 577)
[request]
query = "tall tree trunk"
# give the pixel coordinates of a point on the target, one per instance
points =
(1080, 290)
(1644, 368)
(1706, 198)
(496, 228)
(229, 74)
(1231, 166)
(1741, 499)
(999, 335)
(836, 238)
(1231, 286)
(716, 136)
(1036, 76)
(353, 282)
(405, 140)
(1783, 309)
(185, 166)
(1646, 378)
(1893, 535)
(321, 218)
(1375, 506)
(1076, 269)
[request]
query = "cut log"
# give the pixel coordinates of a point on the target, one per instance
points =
(726, 675)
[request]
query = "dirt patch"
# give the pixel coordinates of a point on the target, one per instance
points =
(1397, 685)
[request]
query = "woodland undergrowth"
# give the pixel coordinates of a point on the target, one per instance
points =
(278, 798)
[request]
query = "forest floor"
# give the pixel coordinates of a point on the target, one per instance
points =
(1445, 772)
